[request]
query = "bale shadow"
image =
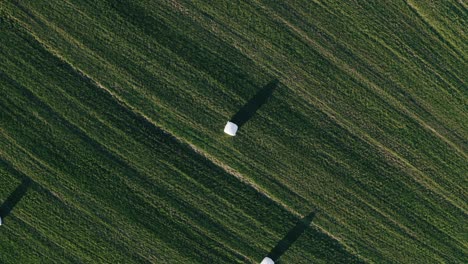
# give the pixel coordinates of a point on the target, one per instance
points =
(249, 109)
(291, 237)
(14, 198)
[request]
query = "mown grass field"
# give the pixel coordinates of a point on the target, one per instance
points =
(115, 112)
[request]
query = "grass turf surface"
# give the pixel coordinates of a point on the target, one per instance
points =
(115, 112)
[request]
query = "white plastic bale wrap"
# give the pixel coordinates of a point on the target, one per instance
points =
(230, 129)
(267, 260)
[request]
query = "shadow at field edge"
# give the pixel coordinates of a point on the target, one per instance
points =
(14, 198)
(249, 109)
(291, 237)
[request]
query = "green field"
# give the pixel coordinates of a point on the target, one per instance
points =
(112, 145)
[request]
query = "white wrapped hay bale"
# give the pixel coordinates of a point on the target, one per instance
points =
(230, 128)
(267, 260)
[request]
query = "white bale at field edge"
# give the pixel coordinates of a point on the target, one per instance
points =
(230, 128)
(267, 260)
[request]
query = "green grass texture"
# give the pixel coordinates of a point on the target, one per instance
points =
(111, 131)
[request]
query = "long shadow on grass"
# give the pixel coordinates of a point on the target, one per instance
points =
(291, 237)
(249, 109)
(14, 198)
